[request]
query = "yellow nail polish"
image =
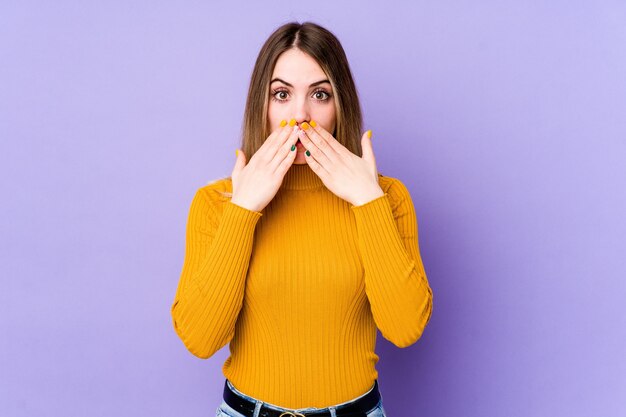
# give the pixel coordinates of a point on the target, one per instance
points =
(304, 126)
(369, 134)
(283, 123)
(292, 122)
(313, 123)
(236, 152)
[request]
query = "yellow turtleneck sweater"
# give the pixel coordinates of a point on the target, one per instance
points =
(300, 288)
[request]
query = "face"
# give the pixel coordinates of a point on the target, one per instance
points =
(299, 89)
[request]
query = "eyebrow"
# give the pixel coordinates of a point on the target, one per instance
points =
(312, 85)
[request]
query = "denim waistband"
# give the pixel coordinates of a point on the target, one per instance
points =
(308, 409)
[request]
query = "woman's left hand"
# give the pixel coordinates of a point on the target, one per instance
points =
(350, 177)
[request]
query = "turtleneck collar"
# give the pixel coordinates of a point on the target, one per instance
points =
(301, 177)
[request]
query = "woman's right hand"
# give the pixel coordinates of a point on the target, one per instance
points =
(256, 184)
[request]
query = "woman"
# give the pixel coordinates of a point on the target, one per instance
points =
(300, 255)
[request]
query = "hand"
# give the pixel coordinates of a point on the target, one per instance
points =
(256, 184)
(347, 175)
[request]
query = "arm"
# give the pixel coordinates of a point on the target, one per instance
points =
(211, 288)
(395, 281)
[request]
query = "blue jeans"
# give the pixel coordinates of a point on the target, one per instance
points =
(224, 410)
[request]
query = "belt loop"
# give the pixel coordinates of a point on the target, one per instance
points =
(333, 412)
(257, 408)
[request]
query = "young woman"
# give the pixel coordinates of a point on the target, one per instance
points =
(306, 250)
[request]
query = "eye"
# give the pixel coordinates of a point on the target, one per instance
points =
(321, 90)
(277, 92)
(278, 95)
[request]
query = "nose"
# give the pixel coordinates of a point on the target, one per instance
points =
(301, 112)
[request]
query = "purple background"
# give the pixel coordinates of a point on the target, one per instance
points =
(506, 120)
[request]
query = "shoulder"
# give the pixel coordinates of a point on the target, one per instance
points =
(208, 203)
(394, 187)
(218, 190)
(398, 194)
(210, 198)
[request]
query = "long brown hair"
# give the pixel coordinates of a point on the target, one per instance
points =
(325, 48)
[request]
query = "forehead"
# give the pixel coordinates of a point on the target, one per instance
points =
(297, 68)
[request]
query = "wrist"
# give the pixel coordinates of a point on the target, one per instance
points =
(244, 205)
(369, 197)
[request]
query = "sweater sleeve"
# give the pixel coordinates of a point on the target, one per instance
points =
(219, 240)
(400, 297)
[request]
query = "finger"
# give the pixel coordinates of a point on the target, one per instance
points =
(317, 167)
(289, 158)
(285, 149)
(240, 162)
(280, 133)
(366, 146)
(321, 142)
(317, 131)
(268, 149)
(317, 149)
(325, 133)
(284, 135)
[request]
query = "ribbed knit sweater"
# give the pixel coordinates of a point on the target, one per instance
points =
(299, 288)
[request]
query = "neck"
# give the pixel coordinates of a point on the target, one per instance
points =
(301, 177)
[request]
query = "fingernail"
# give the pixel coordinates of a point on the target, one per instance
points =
(369, 134)
(236, 152)
(313, 123)
(308, 153)
(293, 147)
(283, 123)
(292, 122)
(304, 126)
